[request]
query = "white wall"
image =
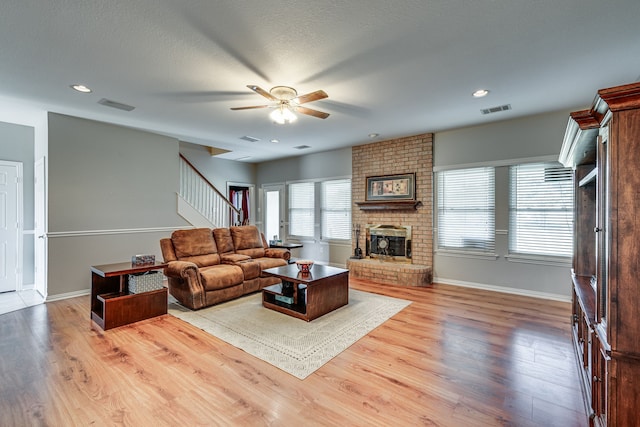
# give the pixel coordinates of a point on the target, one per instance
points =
(498, 143)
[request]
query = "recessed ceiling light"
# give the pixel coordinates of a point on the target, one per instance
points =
(275, 141)
(480, 93)
(374, 135)
(81, 88)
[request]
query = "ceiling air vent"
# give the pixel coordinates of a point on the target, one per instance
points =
(302, 147)
(114, 104)
(249, 138)
(492, 110)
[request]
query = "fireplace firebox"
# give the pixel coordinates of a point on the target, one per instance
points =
(388, 242)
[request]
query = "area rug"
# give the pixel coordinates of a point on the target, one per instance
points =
(293, 345)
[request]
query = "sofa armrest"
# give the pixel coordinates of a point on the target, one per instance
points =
(185, 285)
(278, 253)
(181, 269)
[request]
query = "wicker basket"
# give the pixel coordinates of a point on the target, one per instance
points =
(145, 282)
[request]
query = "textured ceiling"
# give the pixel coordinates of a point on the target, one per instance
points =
(395, 68)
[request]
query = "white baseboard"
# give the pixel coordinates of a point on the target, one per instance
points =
(66, 295)
(503, 289)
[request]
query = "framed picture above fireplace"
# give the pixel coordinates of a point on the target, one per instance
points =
(391, 187)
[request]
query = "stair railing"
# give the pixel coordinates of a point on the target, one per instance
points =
(203, 196)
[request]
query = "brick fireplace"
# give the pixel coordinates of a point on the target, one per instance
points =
(413, 154)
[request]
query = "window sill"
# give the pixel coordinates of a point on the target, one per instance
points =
(540, 260)
(467, 254)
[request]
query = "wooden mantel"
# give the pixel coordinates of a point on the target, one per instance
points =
(395, 205)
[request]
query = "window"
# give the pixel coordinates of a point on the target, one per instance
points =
(301, 209)
(336, 209)
(466, 206)
(541, 210)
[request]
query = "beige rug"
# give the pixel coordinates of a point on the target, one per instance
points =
(291, 344)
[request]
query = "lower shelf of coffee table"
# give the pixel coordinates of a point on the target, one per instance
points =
(298, 308)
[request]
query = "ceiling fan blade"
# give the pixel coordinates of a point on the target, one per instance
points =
(249, 108)
(260, 91)
(313, 96)
(310, 112)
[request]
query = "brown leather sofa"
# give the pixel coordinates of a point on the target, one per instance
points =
(208, 266)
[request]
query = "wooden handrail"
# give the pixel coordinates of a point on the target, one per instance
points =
(213, 187)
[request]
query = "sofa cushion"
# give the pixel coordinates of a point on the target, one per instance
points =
(221, 276)
(247, 241)
(223, 240)
(196, 245)
(233, 258)
(270, 262)
(250, 269)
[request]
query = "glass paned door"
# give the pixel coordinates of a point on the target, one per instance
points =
(274, 211)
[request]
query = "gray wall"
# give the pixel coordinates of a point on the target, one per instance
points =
(334, 163)
(218, 171)
(17, 145)
(497, 143)
(112, 194)
(328, 164)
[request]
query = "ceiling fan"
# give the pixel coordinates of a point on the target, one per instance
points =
(286, 102)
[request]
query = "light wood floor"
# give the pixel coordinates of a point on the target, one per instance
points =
(454, 357)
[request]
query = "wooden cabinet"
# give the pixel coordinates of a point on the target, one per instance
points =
(602, 144)
(112, 305)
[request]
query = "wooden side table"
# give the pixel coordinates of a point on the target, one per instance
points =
(111, 303)
(285, 245)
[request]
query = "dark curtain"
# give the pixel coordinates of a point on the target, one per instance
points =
(239, 197)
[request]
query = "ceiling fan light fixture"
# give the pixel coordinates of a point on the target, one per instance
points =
(283, 115)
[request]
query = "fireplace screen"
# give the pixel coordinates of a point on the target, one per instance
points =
(388, 242)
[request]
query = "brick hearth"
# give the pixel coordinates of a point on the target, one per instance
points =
(390, 272)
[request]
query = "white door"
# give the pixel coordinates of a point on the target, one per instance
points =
(10, 227)
(274, 211)
(40, 243)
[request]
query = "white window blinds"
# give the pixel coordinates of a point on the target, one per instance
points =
(336, 209)
(301, 209)
(541, 210)
(466, 209)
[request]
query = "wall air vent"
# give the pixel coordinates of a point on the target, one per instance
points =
(249, 138)
(302, 147)
(114, 104)
(492, 110)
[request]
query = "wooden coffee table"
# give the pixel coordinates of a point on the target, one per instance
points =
(307, 296)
